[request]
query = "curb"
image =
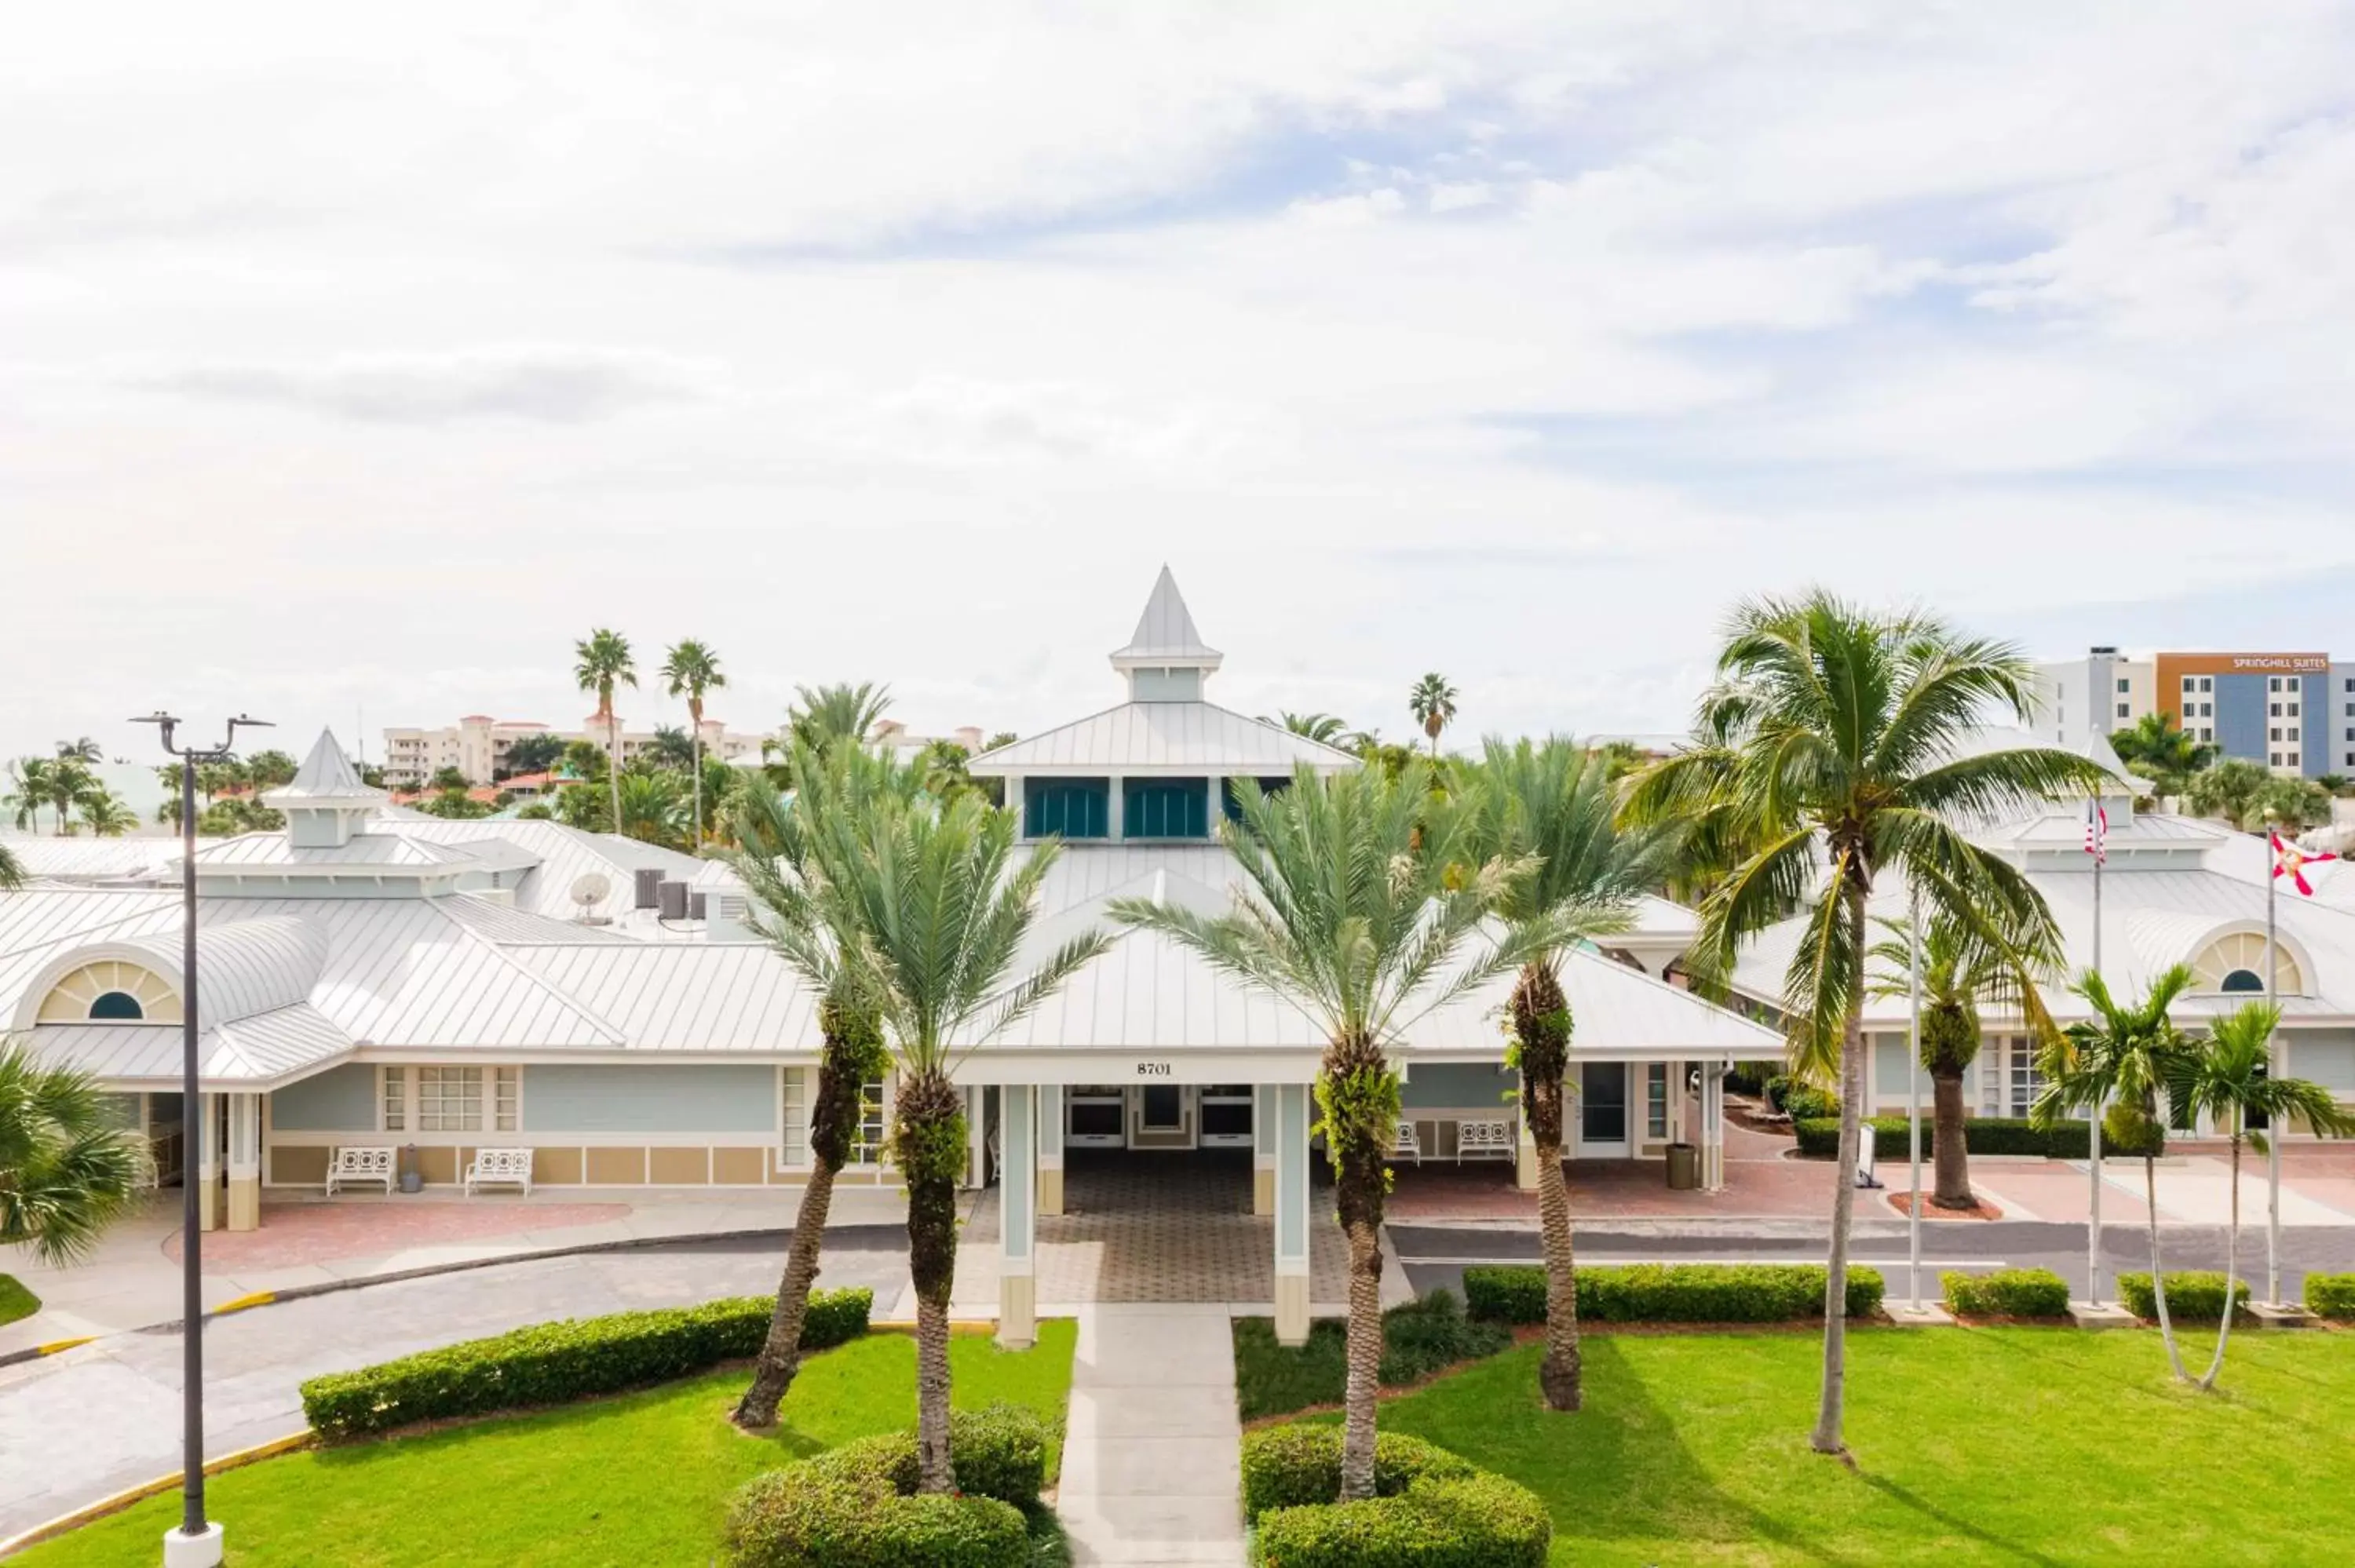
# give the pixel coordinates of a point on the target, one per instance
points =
(425, 1271)
(146, 1490)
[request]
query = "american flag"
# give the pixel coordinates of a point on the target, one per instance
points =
(2098, 833)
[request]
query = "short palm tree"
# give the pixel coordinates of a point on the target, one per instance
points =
(1322, 728)
(106, 815)
(1361, 912)
(1833, 745)
(825, 715)
(1432, 701)
(1552, 807)
(774, 859)
(67, 1168)
(2122, 1056)
(602, 663)
(942, 905)
(651, 808)
(2225, 1077)
(12, 870)
(28, 791)
(1967, 964)
(2155, 749)
(691, 669)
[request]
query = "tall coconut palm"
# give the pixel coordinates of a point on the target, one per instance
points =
(942, 905)
(28, 791)
(691, 669)
(602, 663)
(2122, 1056)
(71, 782)
(825, 715)
(67, 1167)
(1552, 806)
(1363, 910)
(786, 906)
(1834, 742)
(1432, 701)
(83, 750)
(1967, 964)
(2225, 1077)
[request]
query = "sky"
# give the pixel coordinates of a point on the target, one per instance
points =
(357, 361)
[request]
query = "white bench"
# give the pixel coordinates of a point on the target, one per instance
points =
(1485, 1140)
(1405, 1145)
(499, 1167)
(349, 1165)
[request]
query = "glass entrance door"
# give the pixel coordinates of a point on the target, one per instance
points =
(1602, 1108)
(1227, 1116)
(1095, 1117)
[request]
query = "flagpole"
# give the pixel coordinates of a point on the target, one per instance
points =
(2094, 1134)
(1913, 1098)
(2273, 1070)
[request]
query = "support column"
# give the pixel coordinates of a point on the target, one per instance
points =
(205, 1126)
(1712, 1126)
(1017, 1216)
(244, 1162)
(977, 1136)
(1292, 1213)
(1525, 1156)
(1263, 1150)
(1050, 1149)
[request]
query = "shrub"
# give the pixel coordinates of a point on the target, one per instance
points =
(1289, 1467)
(854, 1506)
(1672, 1293)
(1481, 1521)
(2007, 1293)
(1819, 1137)
(2191, 1295)
(1420, 1338)
(2331, 1295)
(548, 1363)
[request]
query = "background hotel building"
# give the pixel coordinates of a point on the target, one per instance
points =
(477, 746)
(2293, 711)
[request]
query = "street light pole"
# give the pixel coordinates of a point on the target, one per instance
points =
(196, 1543)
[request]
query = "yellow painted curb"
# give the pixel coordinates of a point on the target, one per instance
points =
(239, 1304)
(146, 1490)
(956, 1326)
(54, 1346)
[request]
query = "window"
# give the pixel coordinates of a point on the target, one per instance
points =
(2207, 710)
(2025, 1080)
(2293, 710)
(1227, 794)
(2123, 686)
(117, 1004)
(2223, 964)
(2189, 684)
(2275, 736)
(451, 1100)
(396, 1100)
(2278, 761)
(2125, 711)
(1165, 809)
(2292, 756)
(795, 1147)
(1074, 808)
(2273, 683)
(2243, 982)
(1655, 1100)
(2274, 711)
(870, 1144)
(2207, 685)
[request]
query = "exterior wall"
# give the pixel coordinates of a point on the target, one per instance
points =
(719, 1097)
(2324, 1055)
(2337, 707)
(2243, 695)
(341, 1099)
(477, 746)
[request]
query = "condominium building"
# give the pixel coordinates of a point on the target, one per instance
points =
(477, 745)
(2294, 712)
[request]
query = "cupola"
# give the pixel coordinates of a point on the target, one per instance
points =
(1165, 660)
(327, 803)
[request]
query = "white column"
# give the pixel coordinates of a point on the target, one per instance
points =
(1050, 1149)
(1115, 809)
(977, 1136)
(244, 1162)
(1263, 1150)
(1292, 1213)
(1017, 1216)
(204, 1131)
(1712, 1126)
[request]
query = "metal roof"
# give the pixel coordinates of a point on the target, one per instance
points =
(260, 1050)
(687, 996)
(1168, 738)
(271, 850)
(80, 859)
(326, 779)
(1164, 633)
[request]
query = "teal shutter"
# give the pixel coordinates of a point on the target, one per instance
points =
(1166, 809)
(1073, 808)
(1266, 787)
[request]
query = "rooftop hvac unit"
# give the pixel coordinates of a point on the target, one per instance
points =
(671, 900)
(697, 904)
(646, 884)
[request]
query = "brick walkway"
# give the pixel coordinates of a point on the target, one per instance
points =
(327, 1231)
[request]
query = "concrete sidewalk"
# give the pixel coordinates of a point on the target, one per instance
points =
(1152, 1458)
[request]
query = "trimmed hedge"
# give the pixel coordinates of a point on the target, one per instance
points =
(1430, 1508)
(2007, 1293)
(2329, 1296)
(2192, 1295)
(1671, 1293)
(857, 1506)
(1819, 1137)
(549, 1363)
(1292, 1466)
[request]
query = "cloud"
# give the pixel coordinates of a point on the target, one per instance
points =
(555, 387)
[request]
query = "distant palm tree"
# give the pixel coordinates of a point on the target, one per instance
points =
(840, 712)
(602, 663)
(70, 782)
(1362, 915)
(12, 870)
(269, 769)
(106, 815)
(2224, 1078)
(1433, 702)
(692, 670)
(651, 808)
(2156, 749)
(83, 751)
(1322, 728)
(67, 1167)
(1833, 741)
(28, 791)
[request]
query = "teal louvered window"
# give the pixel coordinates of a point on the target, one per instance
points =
(1267, 787)
(1072, 808)
(1166, 809)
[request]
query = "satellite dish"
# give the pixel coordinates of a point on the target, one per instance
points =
(589, 889)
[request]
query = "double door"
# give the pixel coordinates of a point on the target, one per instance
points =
(1157, 1116)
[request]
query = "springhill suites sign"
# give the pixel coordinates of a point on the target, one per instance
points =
(2283, 664)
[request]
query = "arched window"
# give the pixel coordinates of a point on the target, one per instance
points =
(110, 990)
(2235, 964)
(117, 1004)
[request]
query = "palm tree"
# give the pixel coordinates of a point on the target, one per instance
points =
(942, 912)
(2122, 1056)
(651, 810)
(1967, 965)
(1552, 805)
(270, 769)
(2231, 789)
(1322, 728)
(67, 1168)
(839, 711)
(1363, 910)
(69, 779)
(2224, 1076)
(12, 870)
(1833, 742)
(2161, 752)
(787, 906)
(28, 791)
(602, 663)
(1432, 701)
(106, 814)
(691, 669)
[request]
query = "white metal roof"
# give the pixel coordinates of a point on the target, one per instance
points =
(94, 860)
(265, 1049)
(326, 779)
(1164, 633)
(1142, 740)
(687, 996)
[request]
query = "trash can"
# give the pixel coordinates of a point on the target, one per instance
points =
(413, 1180)
(1684, 1167)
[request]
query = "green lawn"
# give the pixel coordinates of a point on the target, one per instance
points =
(639, 1479)
(1987, 1445)
(15, 1300)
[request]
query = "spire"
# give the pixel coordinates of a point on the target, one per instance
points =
(1165, 634)
(325, 779)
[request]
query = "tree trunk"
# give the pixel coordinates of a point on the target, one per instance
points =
(1829, 1437)
(1540, 1020)
(780, 1353)
(694, 752)
(2158, 1278)
(1359, 1119)
(931, 1116)
(1949, 1154)
(613, 767)
(2232, 1266)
